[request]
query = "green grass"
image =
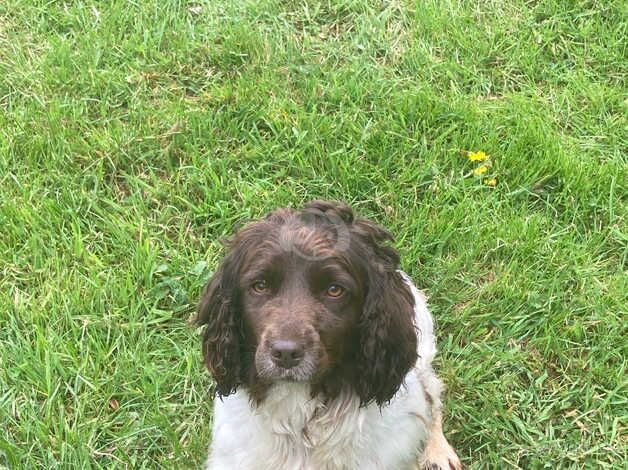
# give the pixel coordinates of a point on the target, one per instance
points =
(135, 135)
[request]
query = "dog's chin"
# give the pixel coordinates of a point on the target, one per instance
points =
(303, 373)
(289, 375)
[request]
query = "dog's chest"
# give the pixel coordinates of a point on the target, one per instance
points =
(305, 433)
(292, 431)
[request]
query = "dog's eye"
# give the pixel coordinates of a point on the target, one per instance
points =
(260, 286)
(335, 290)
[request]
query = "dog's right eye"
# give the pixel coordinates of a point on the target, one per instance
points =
(260, 286)
(335, 291)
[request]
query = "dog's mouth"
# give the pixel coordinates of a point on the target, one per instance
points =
(290, 375)
(306, 370)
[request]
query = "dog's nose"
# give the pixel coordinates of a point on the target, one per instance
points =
(286, 353)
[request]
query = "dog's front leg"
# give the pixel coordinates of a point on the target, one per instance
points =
(437, 453)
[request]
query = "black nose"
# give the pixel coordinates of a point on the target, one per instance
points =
(286, 353)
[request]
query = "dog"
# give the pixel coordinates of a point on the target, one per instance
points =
(320, 349)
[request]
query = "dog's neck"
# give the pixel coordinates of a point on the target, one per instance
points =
(291, 407)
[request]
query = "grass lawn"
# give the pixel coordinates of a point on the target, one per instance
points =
(136, 135)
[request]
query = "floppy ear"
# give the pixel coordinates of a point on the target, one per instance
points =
(387, 334)
(218, 310)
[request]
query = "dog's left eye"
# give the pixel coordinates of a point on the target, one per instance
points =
(260, 286)
(335, 290)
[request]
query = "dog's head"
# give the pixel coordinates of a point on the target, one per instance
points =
(311, 295)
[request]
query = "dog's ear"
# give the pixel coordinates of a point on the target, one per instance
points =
(387, 334)
(219, 311)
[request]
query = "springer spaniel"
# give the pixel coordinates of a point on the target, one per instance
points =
(321, 350)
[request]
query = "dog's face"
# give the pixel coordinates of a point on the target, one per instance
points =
(310, 296)
(300, 311)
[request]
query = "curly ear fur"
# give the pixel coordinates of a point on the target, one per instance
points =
(218, 310)
(388, 338)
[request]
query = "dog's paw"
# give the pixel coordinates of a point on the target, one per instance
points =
(439, 455)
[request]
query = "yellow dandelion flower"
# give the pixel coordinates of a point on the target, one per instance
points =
(480, 170)
(491, 182)
(477, 156)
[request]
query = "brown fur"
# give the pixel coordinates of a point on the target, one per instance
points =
(365, 339)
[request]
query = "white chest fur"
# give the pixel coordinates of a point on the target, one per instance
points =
(290, 430)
